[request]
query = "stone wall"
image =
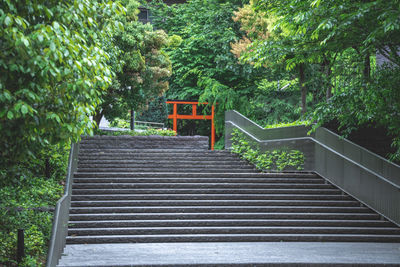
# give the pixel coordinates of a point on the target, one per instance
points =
(145, 142)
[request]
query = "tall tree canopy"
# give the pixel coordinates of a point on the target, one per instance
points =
(332, 44)
(65, 61)
(204, 69)
(142, 67)
(53, 69)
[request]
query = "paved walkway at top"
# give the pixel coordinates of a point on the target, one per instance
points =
(233, 254)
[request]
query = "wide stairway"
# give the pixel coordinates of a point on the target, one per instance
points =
(172, 189)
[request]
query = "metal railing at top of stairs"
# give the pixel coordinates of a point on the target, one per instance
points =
(362, 174)
(61, 213)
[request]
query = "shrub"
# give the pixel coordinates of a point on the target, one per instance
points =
(277, 159)
(135, 133)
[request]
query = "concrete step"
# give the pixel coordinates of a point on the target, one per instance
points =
(190, 175)
(207, 164)
(186, 169)
(200, 180)
(124, 151)
(166, 165)
(155, 156)
(233, 230)
(233, 238)
(206, 191)
(222, 222)
(133, 203)
(224, 215)
(199, 186)
(171, 197)
(129, 195)
(140, 142)
(152, 160)
(233, 254)
(218, 209)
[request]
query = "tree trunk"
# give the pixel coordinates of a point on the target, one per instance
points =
(47, 168)
(328, 72)
(367, 67)
(97, 117)
(303, 88)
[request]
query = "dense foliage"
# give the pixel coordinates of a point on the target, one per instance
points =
(330, 46)
(140, 64)
(204, 69)
(156, 112)
(147, 132)
(277, 160)
(25, 203)
(53, 71)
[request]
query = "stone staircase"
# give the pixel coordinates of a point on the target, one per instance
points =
(150, 189)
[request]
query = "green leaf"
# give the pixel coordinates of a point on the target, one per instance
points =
(8, 21)
(10, 115)
(25, 41)
(52, 46)
(24, 109)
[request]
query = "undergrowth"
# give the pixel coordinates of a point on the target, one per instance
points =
(28, 193)
(136, 133)
(277, 159)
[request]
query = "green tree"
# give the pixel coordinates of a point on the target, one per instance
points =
(141, 66)
(156, 112)
(204, 68)
(53, 71)
(336, 39)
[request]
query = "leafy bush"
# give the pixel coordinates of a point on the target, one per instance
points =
(134, 133)
(53, 70)
(120, 123)
(37, 226)
(375, 104)
(288, 124)
(35, 184)
(278, 159)
(126, 124)
(157, 111)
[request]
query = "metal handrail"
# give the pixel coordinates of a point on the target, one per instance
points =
(325, 147)
(366, 176)
(315, 141)
(150, 123)
(61, 214)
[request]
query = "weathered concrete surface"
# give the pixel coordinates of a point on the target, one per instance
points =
(233, 254)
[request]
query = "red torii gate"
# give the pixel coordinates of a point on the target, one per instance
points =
(175, 116)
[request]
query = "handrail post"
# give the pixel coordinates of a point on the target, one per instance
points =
(132, 120)
(20, 246)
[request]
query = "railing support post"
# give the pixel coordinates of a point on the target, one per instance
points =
(132, 120)
(20, 245)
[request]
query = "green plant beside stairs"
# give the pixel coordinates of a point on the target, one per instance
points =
(277, 159)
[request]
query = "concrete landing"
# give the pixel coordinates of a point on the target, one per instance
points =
(233, 254)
